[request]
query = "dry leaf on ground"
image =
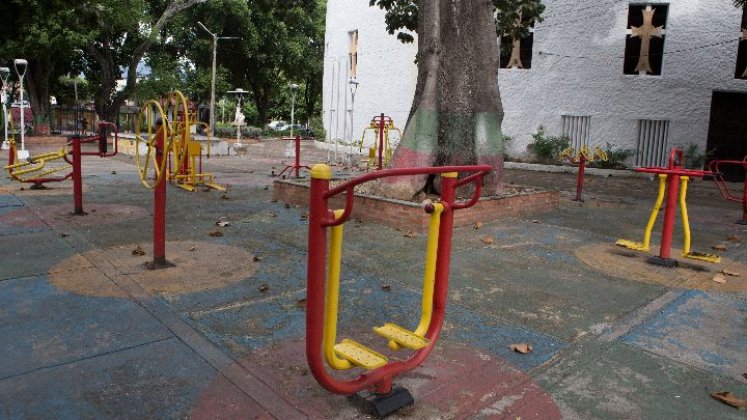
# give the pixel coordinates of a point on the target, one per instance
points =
(487, 240)
(719, 278)
(301, 303)
(216, 234)
(733, 238)
(264, 287)
(410, 234)
(719, 247)
(304, 216)
(522, 348)
(731, 273)
(222, 223)
(386, 288)
(193, 248)
(138, 251)
(478, 225)
(257, 259)
(729, 398)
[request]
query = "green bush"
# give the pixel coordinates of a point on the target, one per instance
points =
(694, 159)
(547, 149)
(316, 125)
(227, 131)
(616, 158)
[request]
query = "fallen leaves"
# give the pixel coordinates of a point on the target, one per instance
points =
(138, 251)
(410, 234)
(487, 240)
(301, 303)
(257, 259)
(522, 348)
(729, 398)
(63, 235)
(730, 273)
(215, 234)
(719, 247)
(386, 288)
(719, 278)
(477, 225)
(264, 287)
(733, 238)
(222, 223)
(304, 216)
(193, 248)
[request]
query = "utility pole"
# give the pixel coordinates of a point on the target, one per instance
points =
(212, 85)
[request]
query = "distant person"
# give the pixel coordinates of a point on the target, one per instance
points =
(84, 124)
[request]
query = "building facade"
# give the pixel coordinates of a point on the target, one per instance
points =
(638, 75)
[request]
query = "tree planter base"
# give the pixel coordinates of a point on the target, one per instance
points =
(407, 215)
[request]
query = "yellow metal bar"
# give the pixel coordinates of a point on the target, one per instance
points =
(332, 297)
(685, 219)
(429, 275)
(655, 211)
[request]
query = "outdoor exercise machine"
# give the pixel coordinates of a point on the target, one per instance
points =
(38, 169)
(380, 154)
(584, 155)
(186, 172)
(715, 167)
(323, 296)
(296, 157)
(151, 155)
(672, 179)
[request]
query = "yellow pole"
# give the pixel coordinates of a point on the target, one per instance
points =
(655, 211)
(685, 220)
(332, 299)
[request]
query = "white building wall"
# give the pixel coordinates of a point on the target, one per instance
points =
(577, 69)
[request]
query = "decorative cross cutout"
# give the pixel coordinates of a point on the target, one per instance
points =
(646, 32)
(515, 61)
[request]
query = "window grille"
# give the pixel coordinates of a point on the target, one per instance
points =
(577, 129)
(651, 147)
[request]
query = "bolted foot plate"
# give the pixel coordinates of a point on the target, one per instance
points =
(380, 405)
(158, 264)
(664, 262)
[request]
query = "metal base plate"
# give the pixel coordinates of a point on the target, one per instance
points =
(383, 405)
(664, 262)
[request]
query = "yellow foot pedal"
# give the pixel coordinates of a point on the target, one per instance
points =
(401, 336)
(359, 355)
(631, 245)
(703, 257)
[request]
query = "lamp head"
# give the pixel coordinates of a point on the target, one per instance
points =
(353, 85)
(21, 65)
(4, 74)
(293, 87)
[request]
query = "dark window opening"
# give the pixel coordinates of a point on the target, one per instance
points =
(741, 70)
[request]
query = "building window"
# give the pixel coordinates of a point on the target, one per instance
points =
(517, 53)
(651, 147)
(353, 54)
(577, 128)
(741, 72)
(644, 45)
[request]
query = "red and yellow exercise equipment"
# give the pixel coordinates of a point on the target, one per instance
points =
(380, 154)
(323, 278)
(672, 180)
(584, 155)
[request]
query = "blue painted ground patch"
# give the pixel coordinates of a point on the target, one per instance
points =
(702, 329)
(364, 304)
(9, 201)
(42, 326)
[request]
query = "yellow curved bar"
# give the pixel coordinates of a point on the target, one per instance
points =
(584, 152)
(40, 161)
(567, 153)
(655, 211)
(429, 275)
(600, 154)
(332, 299)
(146, 113)
(685, 219)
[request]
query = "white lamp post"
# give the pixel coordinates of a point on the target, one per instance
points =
(353, 88)
(212, 84)
(4, 75)
(21, 65)
(294, 89)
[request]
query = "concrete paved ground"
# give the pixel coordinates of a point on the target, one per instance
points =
(85, 332)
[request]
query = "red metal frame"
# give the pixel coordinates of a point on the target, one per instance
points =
(674, 171)
(77, 173)
(297, 163)
(580, 179)
(321, 217)
(718, 179)
(159, 207)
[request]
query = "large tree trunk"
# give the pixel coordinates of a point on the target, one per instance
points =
(37, 84)
(456, 114)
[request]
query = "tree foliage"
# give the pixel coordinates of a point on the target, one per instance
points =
(512, 17)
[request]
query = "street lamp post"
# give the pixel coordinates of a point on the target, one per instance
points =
(21, 66)
(212, 83)
(240, 118)
(4, 75)
(353, 88)
(294, 89)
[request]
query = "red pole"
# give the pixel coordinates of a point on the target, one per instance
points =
(673, 187)
(744, 197)
(77, 178)
(443, 255)
(580, 180)
(159, 208)
(381, 140)
(298, 154)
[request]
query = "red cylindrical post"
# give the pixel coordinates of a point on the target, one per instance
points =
(381, 141)
(673, 188)
(298, 154)
(443, 255)
(580, 180)
(744, 197)
(159, 207)
(77, 177)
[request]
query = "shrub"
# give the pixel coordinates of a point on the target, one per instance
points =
(694, 159)
(229, 132)
(616, 158)
(547, 149)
